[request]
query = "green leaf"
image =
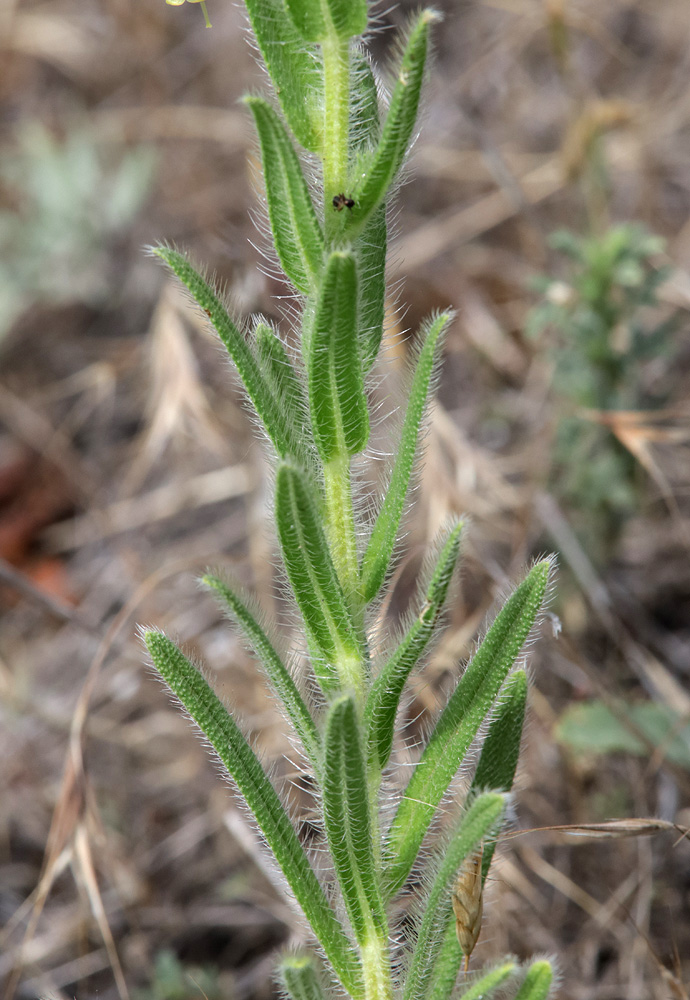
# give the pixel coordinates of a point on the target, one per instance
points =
(283, 378)
(314, 580)
(307, 17)
(496, 770)
(479, 822)
(370, 247)
(370, 250)
(339, 416)
(377, 170)
(460, 720)
(484, 986)
(447, 964)
(379, 551)
(276, 670)
(384, 697)
(294, 68)
(249, 371)
(296, 231)
(345, 18)
(346, 816)
(348, 17)
(592, 727)
(242, 764)
(501, 747)
(537, 982)
(299, 978)
(365, 126)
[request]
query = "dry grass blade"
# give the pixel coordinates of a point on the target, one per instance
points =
(76, 817)
(468, 903)
(609, 829)
(177, 404)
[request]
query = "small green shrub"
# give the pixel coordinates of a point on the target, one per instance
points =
(330, 238)
(600, 336)
(174, 981)
(66, 200)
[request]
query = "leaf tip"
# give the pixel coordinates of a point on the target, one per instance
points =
(431, 16)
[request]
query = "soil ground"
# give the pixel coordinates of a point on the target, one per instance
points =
(128, 465)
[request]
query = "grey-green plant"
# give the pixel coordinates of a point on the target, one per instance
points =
(66, 200)
(601, 328)
(332, 149)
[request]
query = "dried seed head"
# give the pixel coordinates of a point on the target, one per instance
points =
(468, 902)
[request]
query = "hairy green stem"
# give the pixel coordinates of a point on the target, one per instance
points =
(336, 74)
(376, 969)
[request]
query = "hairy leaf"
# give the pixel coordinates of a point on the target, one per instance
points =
(486, 985)
(478, 823)
(346, 814)
(294, 68)
(370, 250)
(460, 720)
(378, 169)
(339, 416)
(239, 350)
(501, 747)
(299, 978)
(384, 697)
(313, 577)
(365, 126)
(537, 982)
(242, 764)
(348, 17)
(307, 17)
(276, 670)
(447, 965)
(379, 551)
(296, 230)
(283, 379)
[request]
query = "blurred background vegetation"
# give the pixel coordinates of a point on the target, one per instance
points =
(551, 208)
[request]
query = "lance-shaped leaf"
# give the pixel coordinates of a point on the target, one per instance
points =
(370, 250)
(276, 671)
(537, 982)
(307, 17)
(486, 985)
(316, 20)
(377, 558)
(495, 770)
(339, 416)
(379, 168)
(348, 17)
(285, 385)
(501, 747)
(370, 247)
(293, 67)
(242, 764)
(313, 577)
(460, 720)
(384, 697)
(479, 822)
(365, 126)
(296, 231)
(346, 816)
(237, 347)
(299, 978)
(282, 377)
(447, 965)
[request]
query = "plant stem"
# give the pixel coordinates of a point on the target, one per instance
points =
(376, 968)
(336, 72)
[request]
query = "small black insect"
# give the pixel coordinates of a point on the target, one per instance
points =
(341, 201)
